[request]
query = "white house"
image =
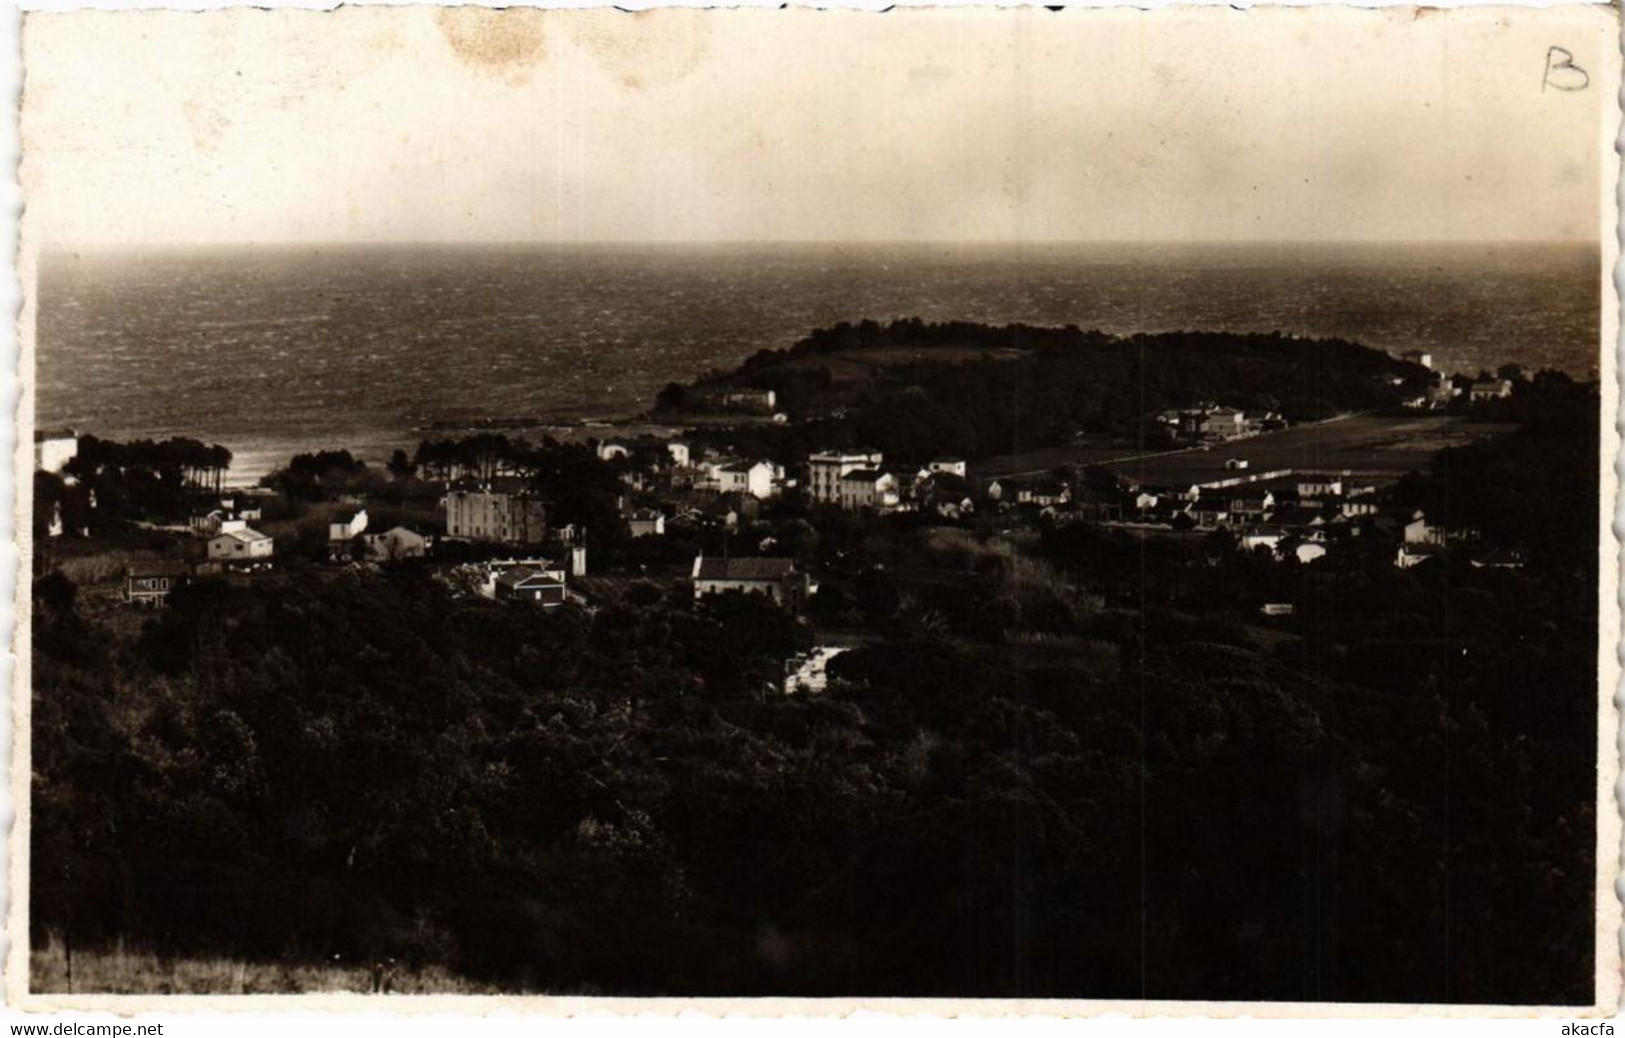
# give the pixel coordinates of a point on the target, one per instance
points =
(681, 455)
(610, 450)
(149, 583)
(825, 469)
(646, 522)
(397, 542)
(1442, 390)
(348, 528)
(868, 488)
(216, 522)
(952, 466)
(777, 578)
(240, 545)
(746, 477)
(1314, 488)
(54, 448)
(1489, 389)
(525, 584)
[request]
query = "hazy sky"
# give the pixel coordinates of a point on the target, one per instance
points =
(468, 124)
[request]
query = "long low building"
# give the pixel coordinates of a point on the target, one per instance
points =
(241, 545)
(775, 577)
(148, 583)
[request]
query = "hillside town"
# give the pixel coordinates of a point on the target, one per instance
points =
(481, 515)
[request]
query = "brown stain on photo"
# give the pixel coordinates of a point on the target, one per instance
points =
(643, 49)
(503, 43)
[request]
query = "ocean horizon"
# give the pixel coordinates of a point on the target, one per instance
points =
(273, 349)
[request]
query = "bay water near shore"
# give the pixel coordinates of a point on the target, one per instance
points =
(272, 350)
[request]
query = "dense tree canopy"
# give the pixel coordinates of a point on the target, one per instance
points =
(973, 390)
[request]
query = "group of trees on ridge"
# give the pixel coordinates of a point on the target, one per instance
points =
(1057, 385)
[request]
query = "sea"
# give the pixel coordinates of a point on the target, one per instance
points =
(271, 350)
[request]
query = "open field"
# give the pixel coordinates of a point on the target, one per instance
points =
(1381, 447)
(1047, 459)
(122, 972)
(1377, 447)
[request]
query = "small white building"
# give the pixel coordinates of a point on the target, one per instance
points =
(646, 522)
(681, 455)
(1489, 389)
(777, 578)
(149, 583)
(348, 528)
(747, 477)
(219, 521)
(610, 450)
(1316, 488)
(868, 488)
(398, 542)
(544, 587)
(54, 448)
(243, 545)
(951, 466)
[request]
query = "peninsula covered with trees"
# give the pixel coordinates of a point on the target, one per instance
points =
(913, 388)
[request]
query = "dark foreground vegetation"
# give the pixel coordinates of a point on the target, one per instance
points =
(1063, 761)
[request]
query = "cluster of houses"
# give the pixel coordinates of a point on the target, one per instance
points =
(702, 486)
(1444, 389)
(1282, 512)
(681, 484)
(1210, 422)
(536, 580)
(230, 544)
(1286, 514)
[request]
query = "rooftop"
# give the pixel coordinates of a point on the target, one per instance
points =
(520, 575)
(245, 534)
(743, 569)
